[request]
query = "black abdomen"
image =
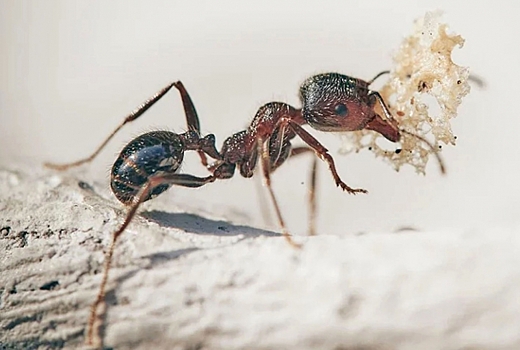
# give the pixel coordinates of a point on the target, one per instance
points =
(153, 153)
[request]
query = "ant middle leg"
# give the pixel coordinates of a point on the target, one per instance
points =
(323, 153)
(184, 180)
(263, 149)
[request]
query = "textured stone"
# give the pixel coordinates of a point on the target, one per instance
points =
(211, 284)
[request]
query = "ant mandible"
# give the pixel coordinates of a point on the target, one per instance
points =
(149, 164)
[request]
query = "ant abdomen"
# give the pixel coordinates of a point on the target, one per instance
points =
(150, 154)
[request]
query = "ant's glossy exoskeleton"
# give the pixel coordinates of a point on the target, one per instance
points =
(149, 164)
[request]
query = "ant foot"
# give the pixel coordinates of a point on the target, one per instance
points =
(291, 242)
(351, 190)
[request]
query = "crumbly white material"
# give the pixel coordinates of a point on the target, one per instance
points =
(423, 66)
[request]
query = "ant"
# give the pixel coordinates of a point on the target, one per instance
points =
(149, 164)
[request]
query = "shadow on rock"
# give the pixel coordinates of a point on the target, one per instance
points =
(199, 225)
(163, 257)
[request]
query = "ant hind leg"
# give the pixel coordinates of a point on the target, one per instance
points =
(131, 117)
(184, 180)
(192, 121)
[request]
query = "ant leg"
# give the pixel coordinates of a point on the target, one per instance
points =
(277, 156)
(193, 123)
(277, 144)
(312, 187)
(312, 199)
(322, 152)
(184, 180)
(131, 117)
(192, 119)
(263, 149)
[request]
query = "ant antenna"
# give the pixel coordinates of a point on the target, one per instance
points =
(434, 151)
(377, 76)
(477, 80)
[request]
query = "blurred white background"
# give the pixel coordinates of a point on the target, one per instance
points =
(71, 70)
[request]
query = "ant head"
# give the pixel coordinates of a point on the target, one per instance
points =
(336, 102)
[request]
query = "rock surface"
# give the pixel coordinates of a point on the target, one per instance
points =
(184, 281)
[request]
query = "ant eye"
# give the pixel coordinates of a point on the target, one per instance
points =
(341, 110)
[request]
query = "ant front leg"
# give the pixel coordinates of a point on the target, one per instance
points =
(184, 180)
(323, 153)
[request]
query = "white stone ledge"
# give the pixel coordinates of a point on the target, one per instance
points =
(225, 286)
